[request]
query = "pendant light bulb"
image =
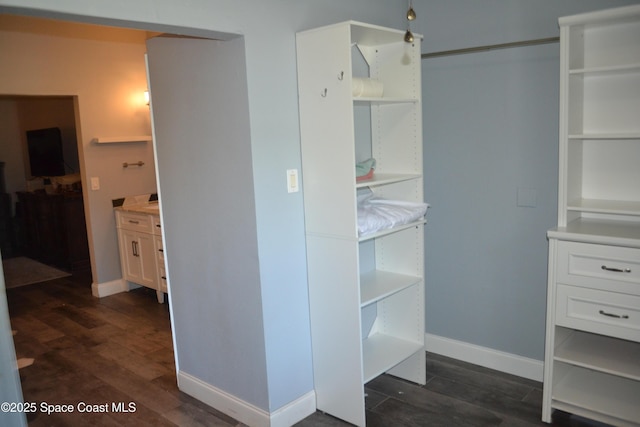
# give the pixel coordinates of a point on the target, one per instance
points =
(408, 36)
(411, 14)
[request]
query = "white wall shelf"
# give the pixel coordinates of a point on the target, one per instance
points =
(594, 352)
(378, 285)
(616, 69)
(389, 231)
(383, 100)
(613, 207)
(382, 352)
(386, 178)
(121, 139)
(366, 293)
(605, 136)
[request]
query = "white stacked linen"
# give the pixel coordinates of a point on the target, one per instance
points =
(376, 213)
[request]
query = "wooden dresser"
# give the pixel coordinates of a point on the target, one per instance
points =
(54, 229)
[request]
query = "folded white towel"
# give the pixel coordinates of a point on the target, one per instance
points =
(376, 213)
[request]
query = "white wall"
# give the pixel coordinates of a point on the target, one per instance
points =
(105, 70)
(491, 128)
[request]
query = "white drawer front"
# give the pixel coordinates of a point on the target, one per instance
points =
(134, 222)
(599, 266)
(606, 313)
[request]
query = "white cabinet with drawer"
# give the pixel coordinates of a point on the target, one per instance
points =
(604, 267)
(138, 235)
(603, 312)
(592, 359)
(592, 354)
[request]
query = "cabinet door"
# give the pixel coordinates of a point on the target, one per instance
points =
(131, 267)
(147, 257)
(138, 258)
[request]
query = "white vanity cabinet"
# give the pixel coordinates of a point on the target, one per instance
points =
(159, 251)
(137, 238)
(366, 293)
(592, 355)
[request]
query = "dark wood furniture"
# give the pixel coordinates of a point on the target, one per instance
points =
(55, 231)
(7, 237)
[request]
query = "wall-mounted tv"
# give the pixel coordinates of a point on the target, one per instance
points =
(45, 152)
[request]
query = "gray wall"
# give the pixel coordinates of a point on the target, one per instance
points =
(200, 95)
(491, 128)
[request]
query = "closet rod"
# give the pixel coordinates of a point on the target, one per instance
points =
(490, 47)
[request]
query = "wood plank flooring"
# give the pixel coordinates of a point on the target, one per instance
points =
(118, 349)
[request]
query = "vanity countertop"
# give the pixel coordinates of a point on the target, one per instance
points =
(151, 208)
(143, 203)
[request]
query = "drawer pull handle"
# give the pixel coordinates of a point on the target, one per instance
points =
(160, 250)
(134, 222)
(617, 316)
(617, 270)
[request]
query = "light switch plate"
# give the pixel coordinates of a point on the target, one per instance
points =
(95, 183)
(292, 181)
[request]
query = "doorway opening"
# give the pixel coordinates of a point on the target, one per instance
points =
(95, 217)
(42, 221)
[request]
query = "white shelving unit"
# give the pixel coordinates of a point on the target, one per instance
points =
(592, 358)
(366, 292)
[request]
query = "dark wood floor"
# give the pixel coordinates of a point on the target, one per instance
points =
(119, 349)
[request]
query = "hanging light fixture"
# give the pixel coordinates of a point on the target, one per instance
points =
(411, 15)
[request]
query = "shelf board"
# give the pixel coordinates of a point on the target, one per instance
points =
(120, 139)
(382, 352)
(391, 230)
(600, 231)
(601, 353)
(386, 178)
(377, 285)
(600, 393)
(383, 100)
(374, 35)
(605, 136)
(614, 207)
(606, 70)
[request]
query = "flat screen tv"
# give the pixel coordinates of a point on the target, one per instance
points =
(45, 152)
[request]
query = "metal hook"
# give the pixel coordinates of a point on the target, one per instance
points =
(324, 93)
(341, 75)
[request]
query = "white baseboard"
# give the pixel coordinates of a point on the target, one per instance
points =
(483, 356)
(295, 411)
(245, 412)
(109, 288)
